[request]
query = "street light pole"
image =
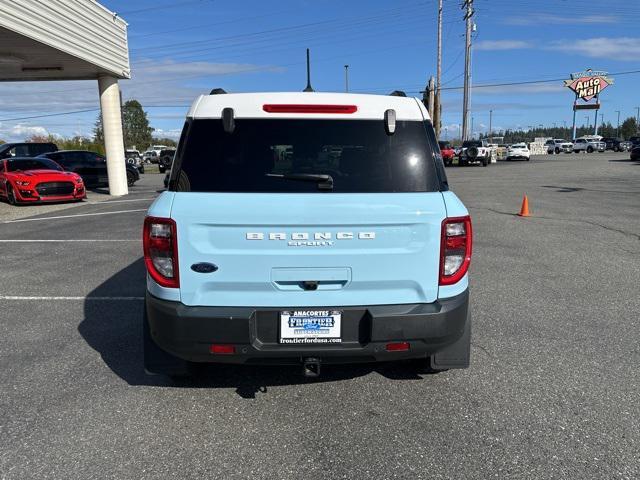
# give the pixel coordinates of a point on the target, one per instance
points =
(437, 121)
(618, 127)
(467, 70)
(346, 78)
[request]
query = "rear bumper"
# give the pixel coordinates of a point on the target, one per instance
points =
(187, 332)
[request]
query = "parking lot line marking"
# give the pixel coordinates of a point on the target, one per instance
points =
(107, 202)
(72, 216)
(16, 297)
(41, 240)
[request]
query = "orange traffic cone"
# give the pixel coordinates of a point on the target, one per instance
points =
(524, 210)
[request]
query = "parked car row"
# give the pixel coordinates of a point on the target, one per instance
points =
(39, 172)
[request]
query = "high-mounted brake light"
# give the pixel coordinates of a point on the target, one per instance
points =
(298, 108)
(455, 249)
(160, 244)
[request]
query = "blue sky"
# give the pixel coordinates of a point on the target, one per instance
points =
(181, 48)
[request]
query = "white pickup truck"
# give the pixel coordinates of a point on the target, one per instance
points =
(589, 144)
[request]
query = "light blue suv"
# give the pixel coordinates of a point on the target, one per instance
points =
(306, 228)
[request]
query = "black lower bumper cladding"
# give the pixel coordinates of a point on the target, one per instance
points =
(439, 330)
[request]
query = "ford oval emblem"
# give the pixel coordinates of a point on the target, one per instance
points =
(204, 267)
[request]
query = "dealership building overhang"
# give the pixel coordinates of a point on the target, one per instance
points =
(70, 40)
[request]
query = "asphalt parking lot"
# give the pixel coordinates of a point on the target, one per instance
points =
(553, 390)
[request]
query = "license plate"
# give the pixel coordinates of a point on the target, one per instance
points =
(310, 326)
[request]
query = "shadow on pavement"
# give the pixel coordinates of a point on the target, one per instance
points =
(626, 160)
(114, 330)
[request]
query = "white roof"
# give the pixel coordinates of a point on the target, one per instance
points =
(250, 105)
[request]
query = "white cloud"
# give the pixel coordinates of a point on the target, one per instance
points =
(540, 19)
(153, 83)
(154, 68)
(529, 89)
(20, 132)
(622, 48)
(173, 134)
(501, 45)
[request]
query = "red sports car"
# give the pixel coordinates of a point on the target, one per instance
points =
(31, 180)
(447, 152)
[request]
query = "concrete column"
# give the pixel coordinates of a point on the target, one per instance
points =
(113, 140)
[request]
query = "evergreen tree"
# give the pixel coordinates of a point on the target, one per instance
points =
(135, 126)
(629, 128)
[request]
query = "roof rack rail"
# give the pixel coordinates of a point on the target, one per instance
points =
(217, 91)
(398, 93)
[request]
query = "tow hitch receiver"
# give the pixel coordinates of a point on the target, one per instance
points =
(311, 367)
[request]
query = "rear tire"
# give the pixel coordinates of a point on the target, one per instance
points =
(130, 179)
(557, 151)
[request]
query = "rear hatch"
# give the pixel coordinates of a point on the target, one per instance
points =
(307, 213)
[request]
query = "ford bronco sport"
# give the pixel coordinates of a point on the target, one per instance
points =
(306, 228)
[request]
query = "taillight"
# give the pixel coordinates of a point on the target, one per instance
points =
(455, 250)
(160, 242)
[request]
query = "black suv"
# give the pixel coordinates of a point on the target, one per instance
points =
(24, 149)
(165, 159)
(616, 144)
(91, 166)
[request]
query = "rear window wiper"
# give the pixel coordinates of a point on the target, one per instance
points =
(324, 181)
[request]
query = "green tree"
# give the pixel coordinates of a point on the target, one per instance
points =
(629, 128)
(98, 132)
(164, 141)
(135, 126)
(2, 141)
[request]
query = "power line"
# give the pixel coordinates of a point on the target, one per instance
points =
(161, 7)
(49, 115)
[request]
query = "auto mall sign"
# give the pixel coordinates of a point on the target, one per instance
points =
(588, 84)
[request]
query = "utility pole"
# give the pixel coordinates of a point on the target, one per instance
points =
(437, 111)
(467, 68)
(618, 127)
(346, 78)
(490, 121)
(637, 117)
(471, 127)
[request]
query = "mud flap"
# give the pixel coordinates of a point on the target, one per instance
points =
(457, 355)
(156, 360)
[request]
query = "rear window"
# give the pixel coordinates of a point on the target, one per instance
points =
(260, 153)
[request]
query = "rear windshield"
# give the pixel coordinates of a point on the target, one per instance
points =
(260, 154)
